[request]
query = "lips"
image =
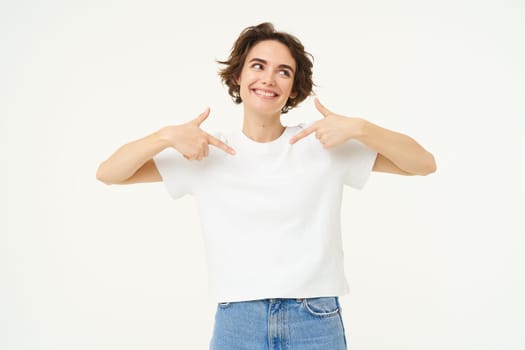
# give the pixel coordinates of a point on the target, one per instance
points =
(265, 93)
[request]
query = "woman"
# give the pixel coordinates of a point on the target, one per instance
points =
(269, 196)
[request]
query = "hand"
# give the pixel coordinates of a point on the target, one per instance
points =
(191, 141)
(332, 130)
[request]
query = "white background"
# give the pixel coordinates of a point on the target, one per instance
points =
(433, 262)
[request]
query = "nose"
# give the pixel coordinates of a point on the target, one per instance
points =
(268, 78)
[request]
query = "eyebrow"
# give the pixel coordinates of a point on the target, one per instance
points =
(265, 62)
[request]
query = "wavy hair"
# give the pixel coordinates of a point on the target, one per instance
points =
(302, 84)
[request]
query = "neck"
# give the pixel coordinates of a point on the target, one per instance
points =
(262, 128)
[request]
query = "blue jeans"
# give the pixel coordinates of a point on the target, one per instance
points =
(279, 324)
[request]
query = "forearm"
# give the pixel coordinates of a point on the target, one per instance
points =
(126, 160)
(401, 149)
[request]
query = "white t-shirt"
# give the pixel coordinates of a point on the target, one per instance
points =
(270, 214)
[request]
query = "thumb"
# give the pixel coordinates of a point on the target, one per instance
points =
(202, 117)
(324, 111)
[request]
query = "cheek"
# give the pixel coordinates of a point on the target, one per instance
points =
(288, 86)
(247, 78)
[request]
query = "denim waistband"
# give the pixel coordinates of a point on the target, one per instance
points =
(276, 300)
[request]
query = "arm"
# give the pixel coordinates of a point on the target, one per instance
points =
(133, 162)
(397, 153)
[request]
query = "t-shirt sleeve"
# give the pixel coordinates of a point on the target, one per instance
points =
(358, 161)
(176, 171)
(182, 176)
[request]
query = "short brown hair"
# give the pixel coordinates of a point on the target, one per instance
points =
(302, 84)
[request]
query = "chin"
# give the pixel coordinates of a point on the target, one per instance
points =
(260, 106)
(265, 109)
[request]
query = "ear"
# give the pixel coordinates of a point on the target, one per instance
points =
(293, 95)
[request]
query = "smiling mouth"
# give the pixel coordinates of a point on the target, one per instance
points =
(264, 93)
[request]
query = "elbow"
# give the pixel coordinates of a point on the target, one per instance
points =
(102, 175)
(430, 165)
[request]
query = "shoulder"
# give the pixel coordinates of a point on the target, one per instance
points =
(309, 145)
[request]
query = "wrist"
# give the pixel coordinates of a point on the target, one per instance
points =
(166, 135)
(356, 128)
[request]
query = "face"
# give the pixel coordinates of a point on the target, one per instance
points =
(267, 77)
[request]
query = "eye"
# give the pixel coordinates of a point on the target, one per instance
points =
(285, 72)
(257, 66)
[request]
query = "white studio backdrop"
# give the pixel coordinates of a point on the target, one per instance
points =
(433, 262)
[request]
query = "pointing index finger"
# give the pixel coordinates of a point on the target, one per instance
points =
(302, 134)
(219, 144)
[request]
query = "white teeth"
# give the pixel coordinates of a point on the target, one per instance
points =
(264, 93)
